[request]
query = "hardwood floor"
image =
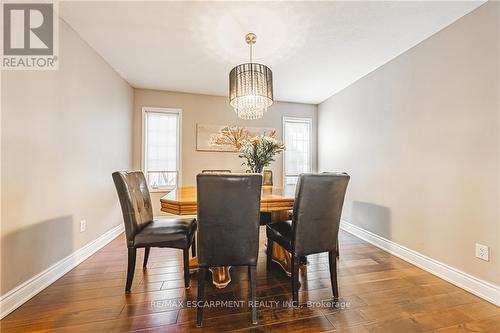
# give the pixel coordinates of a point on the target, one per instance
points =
(380, 293)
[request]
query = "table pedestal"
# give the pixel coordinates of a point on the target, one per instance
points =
(221, 276)
(283, 258)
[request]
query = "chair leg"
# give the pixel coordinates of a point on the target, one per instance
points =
(146, 257)
(337, 248)
(269, 255)
(193, 247)
(201, 296)
(332, 258)
(131, 268)
(253, 287)
(186, 267)
(295, 280)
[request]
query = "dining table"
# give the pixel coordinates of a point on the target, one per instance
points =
(278, 201)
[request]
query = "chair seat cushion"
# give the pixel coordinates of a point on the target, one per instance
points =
(281, 232)
(176, 233)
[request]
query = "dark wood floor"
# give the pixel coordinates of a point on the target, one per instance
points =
(380, 293)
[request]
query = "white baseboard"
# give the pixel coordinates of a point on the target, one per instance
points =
(472, 284)
(22, 293)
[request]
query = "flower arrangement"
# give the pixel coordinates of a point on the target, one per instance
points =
(259, 151)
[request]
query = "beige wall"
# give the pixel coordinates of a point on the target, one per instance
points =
(420, 138)
(212, 110)
(498, 135)
(63, 133)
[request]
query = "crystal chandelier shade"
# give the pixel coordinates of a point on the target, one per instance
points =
(251, 90)
(250, 87)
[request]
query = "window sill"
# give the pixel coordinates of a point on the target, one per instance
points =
(161, 190)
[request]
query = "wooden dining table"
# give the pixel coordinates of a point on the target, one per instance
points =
(278, 201)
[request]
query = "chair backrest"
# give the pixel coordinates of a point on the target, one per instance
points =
(268, 178)
(316, 213)
(216, 171)
(135, 201)
(228, 219)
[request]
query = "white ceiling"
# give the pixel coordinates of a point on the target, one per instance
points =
(315, 49)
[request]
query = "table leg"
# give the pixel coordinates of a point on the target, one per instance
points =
(283, 258)
(193, 265)
(220, 275)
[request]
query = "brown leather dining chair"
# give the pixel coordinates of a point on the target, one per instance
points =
(142, 231)
(228, 220)
(267, 178)
(314, 226)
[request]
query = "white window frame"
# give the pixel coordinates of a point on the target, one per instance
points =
(297, 120)
(145, 110)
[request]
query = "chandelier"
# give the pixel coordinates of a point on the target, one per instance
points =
(250, 87)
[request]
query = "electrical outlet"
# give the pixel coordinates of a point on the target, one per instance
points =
(482, 252)
(83, 225)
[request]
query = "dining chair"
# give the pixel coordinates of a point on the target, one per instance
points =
(314, 226)
(268, 178)
(216, 171)
(337, 250)
(228, 220)
(142, 230)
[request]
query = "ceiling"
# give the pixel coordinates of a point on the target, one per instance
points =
(315, 49)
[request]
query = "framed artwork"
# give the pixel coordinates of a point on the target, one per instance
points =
(225, 138)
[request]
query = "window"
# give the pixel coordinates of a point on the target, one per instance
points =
(161, 147)
(297, 138)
